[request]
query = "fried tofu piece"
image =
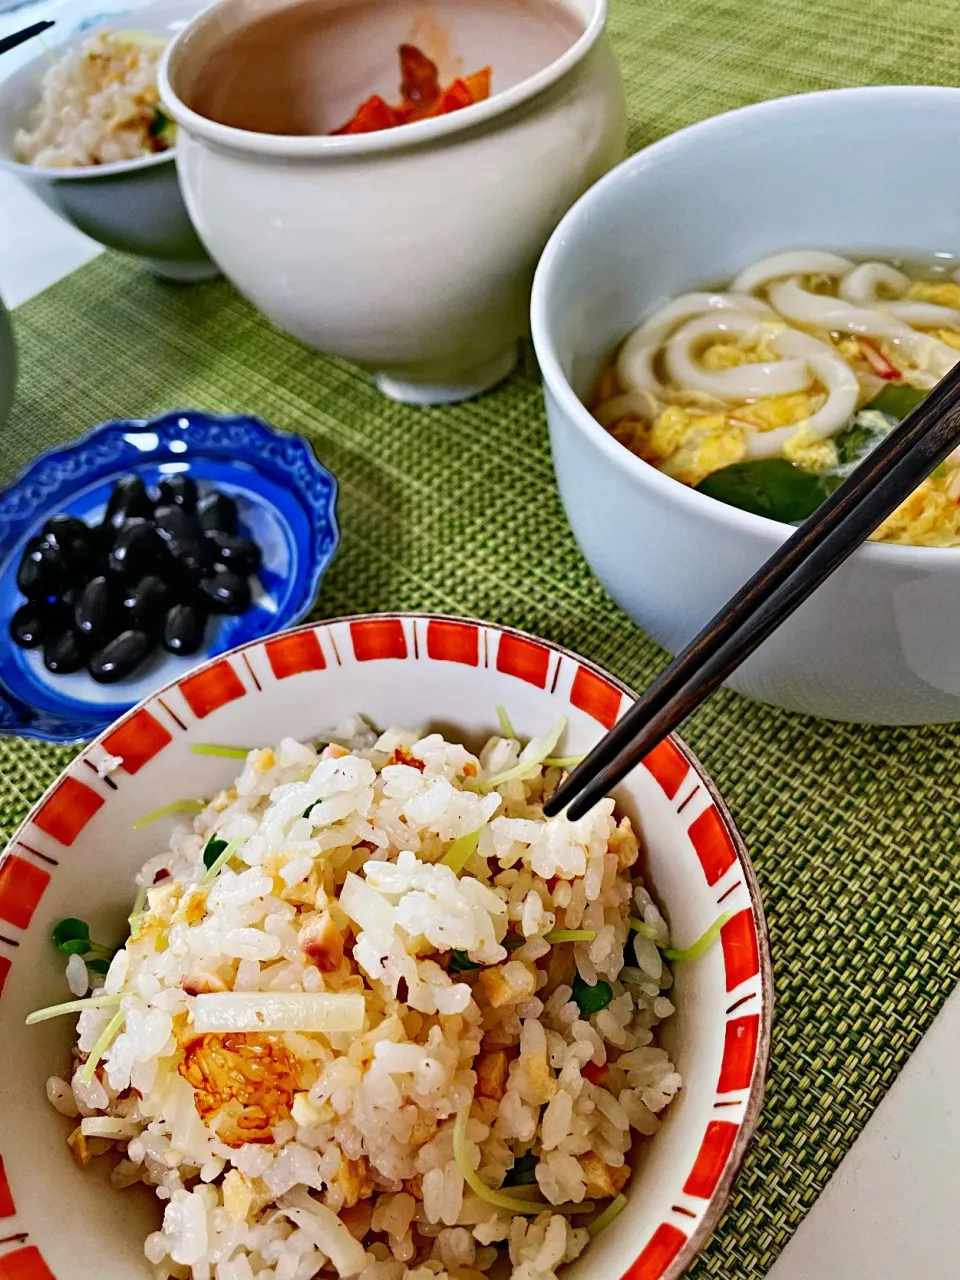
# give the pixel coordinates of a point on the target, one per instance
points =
(353, 1179)
(543, 1086)
(243, 1084)
(79, 1149)
(491, 1069)
(623, 842)
(322, 942)
(602, 1179)
(507, 983)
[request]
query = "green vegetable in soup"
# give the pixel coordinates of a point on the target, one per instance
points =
(897, 399)
(771, 487)
(775, 488)
(460, 962)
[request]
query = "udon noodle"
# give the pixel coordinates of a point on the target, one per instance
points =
(782, 365)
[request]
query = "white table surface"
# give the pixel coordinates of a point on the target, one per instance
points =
(892, 1209)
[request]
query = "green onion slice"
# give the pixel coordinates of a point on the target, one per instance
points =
(615, 1207)
(461, 851)
(702, 944)
(71, 1006)
(512, 1204)
(176, 806)
(570, 935)
(506, 728)
(107, 1037)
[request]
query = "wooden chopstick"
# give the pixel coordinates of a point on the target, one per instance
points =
(19, 37)
(883, 480)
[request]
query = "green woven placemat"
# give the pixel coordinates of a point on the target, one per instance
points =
(853, 831)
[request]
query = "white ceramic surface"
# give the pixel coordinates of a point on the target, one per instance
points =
(880, 641)
(8, 363)
(134, 206)
(410, 251)
(76, 855)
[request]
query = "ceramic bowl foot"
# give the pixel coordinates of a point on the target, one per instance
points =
(473, 382)
(188, 271)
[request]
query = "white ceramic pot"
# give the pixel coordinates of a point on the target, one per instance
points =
(866, 171)
(76, 854)
(409, 251)
(134, 206)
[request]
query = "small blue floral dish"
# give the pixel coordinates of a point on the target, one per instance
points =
(286, 502)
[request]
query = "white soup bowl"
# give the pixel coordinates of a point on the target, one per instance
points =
(858, 171)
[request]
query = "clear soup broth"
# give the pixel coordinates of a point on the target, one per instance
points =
(305, 69)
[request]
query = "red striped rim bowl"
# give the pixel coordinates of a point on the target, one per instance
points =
(76, 854)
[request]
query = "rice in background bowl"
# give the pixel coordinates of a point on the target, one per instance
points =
(99, 104)
(400, 669)
(128, 202)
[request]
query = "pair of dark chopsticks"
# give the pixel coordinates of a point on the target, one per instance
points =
(883, 480)
(19, 37)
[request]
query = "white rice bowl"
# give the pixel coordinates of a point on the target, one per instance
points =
(287, 1057)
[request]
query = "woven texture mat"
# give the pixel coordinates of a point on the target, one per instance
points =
(853, 831)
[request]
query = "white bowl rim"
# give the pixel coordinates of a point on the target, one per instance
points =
(773, 531)
(81, 172)
(296, 146)
(753, 1103)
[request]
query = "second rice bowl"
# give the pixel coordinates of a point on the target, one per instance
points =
(128, 201)
(353, 873)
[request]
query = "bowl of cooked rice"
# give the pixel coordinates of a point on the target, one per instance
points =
(297, 980)
(81, 125)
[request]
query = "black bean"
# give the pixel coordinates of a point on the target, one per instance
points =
(95, 612)
(74, 536)
(40, 572)
(242, 555)
(118, 658)
(67, 526)
(145, 603)
(183, 629)
(59, 555)
(33, 623)
(183, 539)
(138, 549)
(63, 653)
(225, 592)
(217, 511)
(178, 491)
(129, 499)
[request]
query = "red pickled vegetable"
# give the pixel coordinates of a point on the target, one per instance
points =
(421, 94)
(419, 78)
(371, 116)
(453, 98)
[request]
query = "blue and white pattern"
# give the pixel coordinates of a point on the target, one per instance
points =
(287, 503)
